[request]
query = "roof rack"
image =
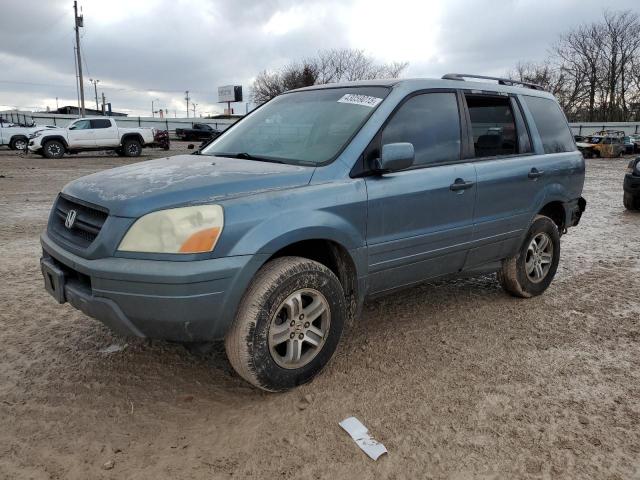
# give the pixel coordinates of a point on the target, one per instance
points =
(501, 81)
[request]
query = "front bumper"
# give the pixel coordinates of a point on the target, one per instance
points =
(183, 301)
(33, 146)
(632, 184)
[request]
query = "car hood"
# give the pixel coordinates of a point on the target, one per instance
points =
(140, 188)
(50, 131)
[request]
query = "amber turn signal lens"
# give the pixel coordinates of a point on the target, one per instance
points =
(202, 241)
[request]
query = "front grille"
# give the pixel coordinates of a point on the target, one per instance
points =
(87, 225)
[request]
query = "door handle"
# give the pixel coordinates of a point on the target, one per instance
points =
(535, 173)
(460, 184)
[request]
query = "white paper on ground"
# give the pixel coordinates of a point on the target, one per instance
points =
(113, 348)
(361, 436)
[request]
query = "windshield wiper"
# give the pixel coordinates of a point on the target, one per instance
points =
(247, 156)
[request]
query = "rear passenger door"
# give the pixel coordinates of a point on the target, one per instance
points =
(511, 177)
(105, 132)
(420, 220)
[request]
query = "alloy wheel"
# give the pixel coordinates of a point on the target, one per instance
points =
(539, 257)
(299, 328)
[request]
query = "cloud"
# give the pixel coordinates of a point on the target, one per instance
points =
(143, 50)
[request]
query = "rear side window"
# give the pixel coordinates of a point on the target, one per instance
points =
(551, 124)
(493, 126)
(100, 123)
(431, 123)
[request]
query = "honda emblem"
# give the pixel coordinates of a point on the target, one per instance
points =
(71, 219)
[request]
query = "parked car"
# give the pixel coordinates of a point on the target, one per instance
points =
(629, 145)
(87, 134)
(604, 144)
(16, 138)
(273, 235)
(631, 185)
(200, 131)
(636, 142)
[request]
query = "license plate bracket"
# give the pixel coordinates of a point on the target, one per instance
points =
(54, 279)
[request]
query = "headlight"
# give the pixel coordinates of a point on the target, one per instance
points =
(178, 230)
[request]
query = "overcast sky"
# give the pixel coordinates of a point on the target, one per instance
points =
(142, 50)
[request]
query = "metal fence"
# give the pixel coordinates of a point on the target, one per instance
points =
(170, 124)
(60, 120)
(586, 128)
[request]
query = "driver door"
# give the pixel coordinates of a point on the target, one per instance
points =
(80, 134)
(420, 220)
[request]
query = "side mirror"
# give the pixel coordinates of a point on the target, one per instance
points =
(394, 157)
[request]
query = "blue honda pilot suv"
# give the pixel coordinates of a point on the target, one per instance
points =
(272, 236)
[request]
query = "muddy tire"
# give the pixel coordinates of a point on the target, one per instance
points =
(132, 148)
(530, 272)
(288, 324)
(18, 143)
(630, 202)
(53, 149)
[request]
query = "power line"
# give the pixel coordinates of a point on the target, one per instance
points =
(115, 89)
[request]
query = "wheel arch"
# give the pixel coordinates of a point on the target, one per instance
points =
(333, 255)
(131, 136)
(17, 137)
(556, 211)
(59, 138)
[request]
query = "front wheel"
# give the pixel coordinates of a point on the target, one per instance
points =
(288, 325)
(53, 149)
(630, 202)
(530, 272)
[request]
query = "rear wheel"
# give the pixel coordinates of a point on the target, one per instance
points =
(530, 272)
(630, 202)
(18, 143)
(288, 325)
(53, 149)
(132, 148)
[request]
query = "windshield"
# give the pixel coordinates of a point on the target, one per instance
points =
(304, 128)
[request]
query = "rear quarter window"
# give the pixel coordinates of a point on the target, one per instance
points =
(551, 124)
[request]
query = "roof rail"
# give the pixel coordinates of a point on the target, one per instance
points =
(501, 81)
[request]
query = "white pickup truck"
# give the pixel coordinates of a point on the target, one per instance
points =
(86, 134)
(17, 137)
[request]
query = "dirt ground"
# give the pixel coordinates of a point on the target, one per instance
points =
(456, 378)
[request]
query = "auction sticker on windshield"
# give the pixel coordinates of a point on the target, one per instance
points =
(364, 100)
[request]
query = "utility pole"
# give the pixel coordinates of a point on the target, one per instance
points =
(79, 20)
(194, 105)
(186, 97)
(95, 86)
(103, 104)
(153, 111)
(75, 63)
(57, 107)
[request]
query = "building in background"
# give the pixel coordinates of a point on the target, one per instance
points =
(71, 110)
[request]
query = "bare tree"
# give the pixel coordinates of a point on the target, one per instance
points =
(328, 66)
(594, 69)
